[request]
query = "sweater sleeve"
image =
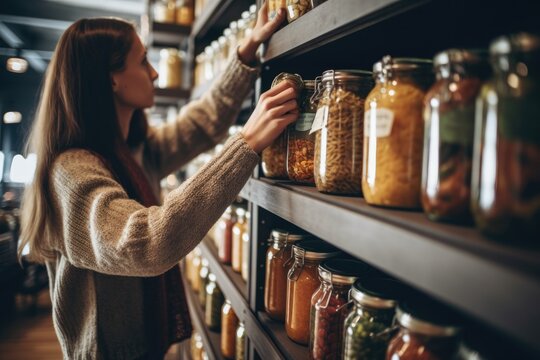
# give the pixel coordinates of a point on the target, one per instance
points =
(203, 122)
(105, 231)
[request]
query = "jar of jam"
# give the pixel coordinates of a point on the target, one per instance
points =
(506, 162)
(240, 342)
(214, 302)
(300, 140)
(394, 132)
(339, 131)
(329, 306)
(274, 157)
(229, 324)
(302, 282)
(367, 334)
(279, 260)
(224, 235)
(238, 230)
(245, 249)
(449, 133)
(426, 332)
(203, 275)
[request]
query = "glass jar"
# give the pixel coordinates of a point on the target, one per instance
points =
(229, 324)
(195, 270)
(240, 342)
(184, 12)
(170, 68)
(278, 263)
(506, 162)
(197, 346)
(208, 64)
(224, 235)
(367, 334)
(244, 268)
(164, 11)
(394, 132)
(426, 332)
(233, 37)
(449, 133)
(338, 126)
(238, 230)
(224, 52)
(188, 267)
(302, 282)
(241, 30)
(274, 157)
(252, 20)
(297, 8)
(203, 275)
(199, 6)
(300, 142)
(329, 306)
(214, 302)
(216, 60)
(274, 6)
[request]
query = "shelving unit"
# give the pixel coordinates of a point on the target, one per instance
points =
(170, 96)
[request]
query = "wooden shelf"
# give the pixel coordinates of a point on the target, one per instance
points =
(289, 348)
(455, 264)
(170, 96)
(168, 35)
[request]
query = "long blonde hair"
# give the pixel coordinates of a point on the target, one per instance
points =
(76, 110)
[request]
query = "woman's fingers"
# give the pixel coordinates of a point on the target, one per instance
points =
(280, 110)
(281, 98)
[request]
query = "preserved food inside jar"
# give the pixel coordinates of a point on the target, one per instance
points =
(238, 230)
(366, 334)
(214, 302)
(184, 12)
(224, 235)
(302, 282)
(297, 8)
(203, 275)
(300, 143)
(279, 260)
(449, 133)
(426, 332)
(394, 133)
(196, 346)
(329, 306)
(188, 267)
(229, 325)
(245, 249)
(506, 162)
(338, 126)
(240, 342)
(274, 6)
(164, 11)
(195, 270)
(170, 68)
(274, 157)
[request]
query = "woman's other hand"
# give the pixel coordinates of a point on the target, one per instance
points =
(276, 109)
(264, 28)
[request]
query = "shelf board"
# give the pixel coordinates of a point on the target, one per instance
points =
(170, 96)
(211, 340)
(168, 35)
(330, 21)
(276, 330)
(455, 264)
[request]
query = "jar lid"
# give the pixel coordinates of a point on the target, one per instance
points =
(233, 25)
(215, 44)
(222, 40)
(253, 8)
(286, 236)
(211, 277)
(227, 32)
(204, 262)
(343, 271)
(245, 14)
(168, 52)
(241, 23)
(309, 84)
(345, 75)
(521, 42)
(422, 315)
(390, 63)
(459, 56)
(377, 292)
(295, 79)
(315, 249)
(241, 213)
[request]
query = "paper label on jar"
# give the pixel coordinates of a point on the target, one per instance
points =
(321, 117)
(304, 122)
(378, 123)
(457, 126)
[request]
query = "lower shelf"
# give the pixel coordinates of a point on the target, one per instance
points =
(276, 330)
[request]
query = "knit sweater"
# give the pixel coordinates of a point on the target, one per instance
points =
(109, 242)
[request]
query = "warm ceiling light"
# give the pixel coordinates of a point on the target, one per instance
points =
(17, 65)
(12, 117)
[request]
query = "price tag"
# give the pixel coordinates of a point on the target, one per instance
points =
(378, 123)
(321, 118)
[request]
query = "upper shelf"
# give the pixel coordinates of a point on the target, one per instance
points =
(218, 14)
(168, 35)
(170, 96)
(453, 263)
(330, 21)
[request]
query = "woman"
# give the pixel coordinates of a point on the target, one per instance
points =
(92, 213)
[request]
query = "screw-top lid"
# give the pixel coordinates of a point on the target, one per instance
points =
(211, 277)
(240, 213)
(377, 292)
(343, 271)
(309, 84)
(413, 64)
(253, 8)
(295, 79)
(315, 250)
(521, 42)
(459, 56)
(281, 235)
(345, 75)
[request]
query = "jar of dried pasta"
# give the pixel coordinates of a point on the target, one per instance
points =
(302, 282)
(339, 131)
(297, 8)
(274, 157)
(300, 140)
(229, 324)
(394, 132)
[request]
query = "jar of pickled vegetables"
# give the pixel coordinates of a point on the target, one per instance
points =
(240, 342)
(394, 132)
(449, 133)
(214, 302)
(229, 325)
(238, 230)
(506, 162)
(203, 275)
(302, 282)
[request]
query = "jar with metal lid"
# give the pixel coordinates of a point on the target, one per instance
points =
(244, 268)
(238, 229)
(449, 133)
(241, 30)
(302, 282)
(297, 8)
(216, 59)
(224, 50)
(184, 12)
(506, 161)
(197, 346)
(198, 78)
(170, 68)
(240, 342)
(274, 157)
(300, 140)
(164, 11)
(274, 6)
(208, 64)
(224, 235)
(329, 306)
(368, 326)
(214, 302)
(279, 260)
(252, 19)
(426, 332)
(233, 36)
(394, 132)
(229, 325)
(196, 268)
(338, 127)
(203, 275)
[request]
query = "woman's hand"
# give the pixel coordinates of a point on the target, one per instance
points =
(262, 32)
(276, 109)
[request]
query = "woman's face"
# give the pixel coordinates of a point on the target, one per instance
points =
(133, 86)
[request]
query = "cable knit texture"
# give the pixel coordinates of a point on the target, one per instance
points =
(109, 242)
